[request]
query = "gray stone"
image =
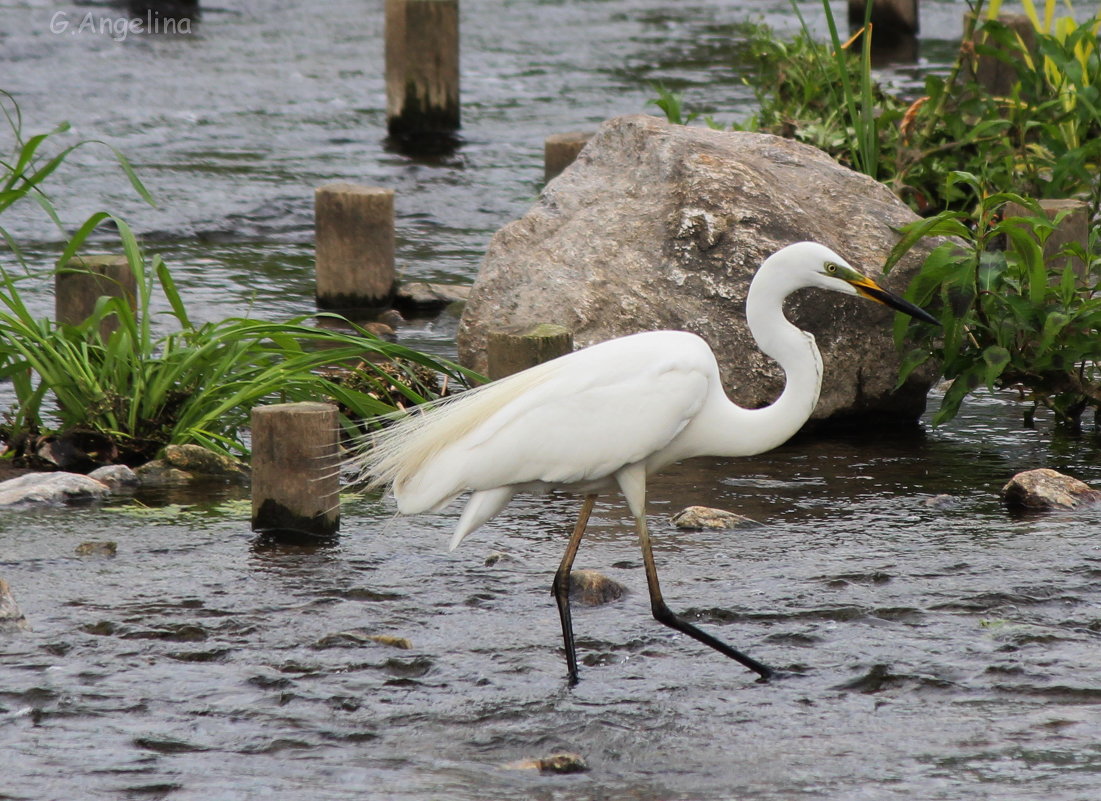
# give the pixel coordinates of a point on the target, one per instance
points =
(700, 517)
(663, 226)
(115, 476)
(424, 296)
(11, 617)
(32, 489)
(1044, 489)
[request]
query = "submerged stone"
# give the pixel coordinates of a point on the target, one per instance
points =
(592, 588)
(564, 762)
(695, 518)
(357, 637)
(11, 617)
(97, 548)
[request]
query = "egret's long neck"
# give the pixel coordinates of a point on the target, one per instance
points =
(758, 430)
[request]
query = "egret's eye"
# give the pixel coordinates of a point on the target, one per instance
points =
(831, 268)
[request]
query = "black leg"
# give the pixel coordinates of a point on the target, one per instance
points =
(663, 614)
(561, 586)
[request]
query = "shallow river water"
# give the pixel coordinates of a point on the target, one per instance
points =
(933, 650)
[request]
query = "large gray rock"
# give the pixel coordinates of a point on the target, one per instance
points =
(663, 226)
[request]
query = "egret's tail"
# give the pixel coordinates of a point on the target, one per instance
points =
(395, 455)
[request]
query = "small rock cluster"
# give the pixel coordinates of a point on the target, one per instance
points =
(181, 465)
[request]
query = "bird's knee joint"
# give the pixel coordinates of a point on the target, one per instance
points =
(663, 614)
(560, 587)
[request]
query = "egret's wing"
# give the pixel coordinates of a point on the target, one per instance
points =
(579, 423)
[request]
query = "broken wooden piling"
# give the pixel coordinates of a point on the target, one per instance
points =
(295, 470)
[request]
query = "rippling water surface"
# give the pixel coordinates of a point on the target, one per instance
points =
(933, 651)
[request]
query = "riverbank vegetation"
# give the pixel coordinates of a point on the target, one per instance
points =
(127, 381)
(1014, 313)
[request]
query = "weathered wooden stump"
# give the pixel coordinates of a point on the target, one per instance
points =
(354, 246)
(993, 74)
(295, 470)
(560, 150)
(422, 70)
(514, 349)
(1074, 227)
(889, 17)
(895, 27)
(84, 280)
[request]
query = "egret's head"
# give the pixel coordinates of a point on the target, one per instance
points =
(817, 266)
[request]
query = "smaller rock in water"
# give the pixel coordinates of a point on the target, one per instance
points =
(11, 617)
(1044, 489)
(394, 642)
(423, 296)
(356, 637)
(50, 489)
(97, 548)
(591, 588)
(555, 763)
(498, 556)
(941, 502)
(204, 463)
(158, 473)
(116, 476)
(702, 517)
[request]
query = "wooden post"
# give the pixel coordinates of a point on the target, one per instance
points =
(895, 26)
(422, 69)
(889, 17)
(560, 151)
(993, 74)
(354, 243)
(295, 470)
(1074, 227)
(509, 351)
(84, 280)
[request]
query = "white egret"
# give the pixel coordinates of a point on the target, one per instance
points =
(608, 416)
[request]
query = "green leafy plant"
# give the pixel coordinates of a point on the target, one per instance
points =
(123, 391)
(1042, 140)
(1009, 321)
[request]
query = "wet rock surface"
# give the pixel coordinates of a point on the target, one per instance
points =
(116, 477)
(55, 489)
(592, 588)
(1043, 489)
(701, 517)
(11, 617)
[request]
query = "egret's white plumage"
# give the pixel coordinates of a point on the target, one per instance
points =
(610, 415)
